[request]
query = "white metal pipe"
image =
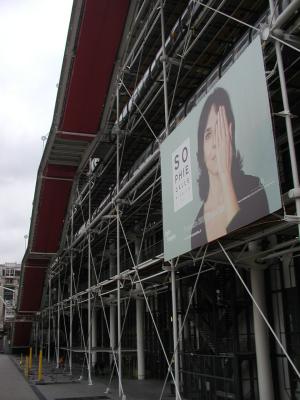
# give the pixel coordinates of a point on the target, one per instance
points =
(112, 326)
(292, 364)
(175, 331)
(7, 288)
(140, 316)
(125, 274)
(141, 171)
(279, 324)
(118, 247)
(264, 371)
(280, 253)
(288, 121)
(49, 319)
(42, 332)
(35, 337)
(140, 334)
(263, 253)
(173, 279)
(89, 285)
(146, 81)
(94, 335)
(58, 323)
(146, 30)
(71, 295)
(289, 128)
(287, 13)
(112, 307)
(181, 330)
(263, 361)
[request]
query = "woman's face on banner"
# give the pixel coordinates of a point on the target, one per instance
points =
(209, 142)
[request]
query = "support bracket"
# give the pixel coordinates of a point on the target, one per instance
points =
(294, 193)
(285, 113)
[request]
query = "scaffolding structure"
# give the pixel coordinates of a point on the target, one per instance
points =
(219, 321)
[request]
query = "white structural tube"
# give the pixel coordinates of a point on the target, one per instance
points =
(89, 285)
(140, 316)
(264, 370)
(112, 307)
(58, 324)
(287, 13)
(49, 320)
(112, 327)
(140, 333)
(286, 107)
(71, 295)
(173, 279)
(94, 336)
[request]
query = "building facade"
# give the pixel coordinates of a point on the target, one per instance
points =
(9, 287)
(218, 321)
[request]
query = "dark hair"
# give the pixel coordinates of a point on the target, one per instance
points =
(219, 97)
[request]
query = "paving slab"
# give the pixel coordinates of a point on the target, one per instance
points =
(133, 389)
(58, 384)
(13, 385)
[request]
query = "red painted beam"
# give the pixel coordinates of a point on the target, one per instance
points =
(33, 281)
(99, 38)
(22, 334)
(53, 202)
(35, 262)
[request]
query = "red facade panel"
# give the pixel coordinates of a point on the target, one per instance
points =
(35, 262)
(22, 334)
(60, 171)
(32, 291)
(54, 198)
(99, 39)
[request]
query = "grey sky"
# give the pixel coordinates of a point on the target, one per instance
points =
(32, 42)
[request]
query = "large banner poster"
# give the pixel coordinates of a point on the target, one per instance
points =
(218, 167)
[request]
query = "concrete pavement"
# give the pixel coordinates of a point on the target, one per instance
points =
(13, 385)
(57, 384)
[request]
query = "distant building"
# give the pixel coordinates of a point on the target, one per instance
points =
(9, 287)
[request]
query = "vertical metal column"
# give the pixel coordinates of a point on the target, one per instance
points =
(71, 295)
(94, 335)
(36, 338)
(112, 328)
(140, 316)
(118, 246)
(264, 370)
(112, 307)
(49, 317)
(42, 332)
(180, 332)
(277, 286)
(58, 322)
(287, 116)
(173, 281)
(89, 284)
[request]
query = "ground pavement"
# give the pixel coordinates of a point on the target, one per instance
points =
(57, 384)
(13, 385)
